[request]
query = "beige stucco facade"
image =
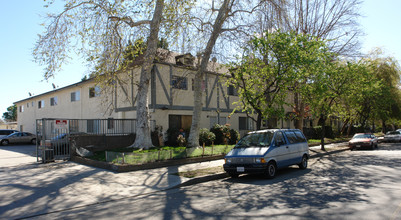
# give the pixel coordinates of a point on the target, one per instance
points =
(170, 100)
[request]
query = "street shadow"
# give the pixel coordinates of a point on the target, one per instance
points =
(24, 198)
(331, 183)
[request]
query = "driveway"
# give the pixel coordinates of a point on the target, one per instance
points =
(28, 188)
(13, 155)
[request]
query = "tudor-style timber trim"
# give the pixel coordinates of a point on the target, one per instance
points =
(156, 77)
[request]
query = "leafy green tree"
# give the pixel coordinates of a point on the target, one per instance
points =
(386, 104)
(338, 80)
(267, 74)
(11, 114)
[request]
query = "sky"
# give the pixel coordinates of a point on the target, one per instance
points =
(20, 24)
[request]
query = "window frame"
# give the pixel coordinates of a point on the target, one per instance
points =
(179, 82)
(53, 101)
(94, 92)
(76, 95)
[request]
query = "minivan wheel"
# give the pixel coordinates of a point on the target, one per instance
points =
(304, 163)
(4, 142)
(271, 170)
(33, 141)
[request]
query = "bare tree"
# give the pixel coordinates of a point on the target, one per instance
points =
(99, 30)
(234, 21)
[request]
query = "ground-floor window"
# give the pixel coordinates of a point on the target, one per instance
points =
(179, 121)
(245, 123)
(270, 123)
(93, 126)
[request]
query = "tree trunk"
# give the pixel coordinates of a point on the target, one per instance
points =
(300, 110)
(193, 140)
(143, 138)
(345, 123)
(259, 121)
(349, 128)
(323, 133)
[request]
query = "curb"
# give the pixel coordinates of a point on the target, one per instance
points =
(219, 176)
(119, 168)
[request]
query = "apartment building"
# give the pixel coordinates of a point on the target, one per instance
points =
(170, 98)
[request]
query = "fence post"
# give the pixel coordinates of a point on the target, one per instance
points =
(203, 150)
(123, 158)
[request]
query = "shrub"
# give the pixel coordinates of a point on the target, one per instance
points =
(234, 136)
(206, 136)
(172, 135)
(318, 131)
(224, 133)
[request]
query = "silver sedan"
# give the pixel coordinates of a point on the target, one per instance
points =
(18, 138)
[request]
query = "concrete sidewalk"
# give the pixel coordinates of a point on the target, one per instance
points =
(33, 189)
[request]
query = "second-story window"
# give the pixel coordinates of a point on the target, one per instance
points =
(94, 91)
(41, 104)
(179, 82)
(53, 101)
(75, 96)
(231, 90)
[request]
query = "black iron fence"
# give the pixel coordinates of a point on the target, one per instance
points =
(53, 134)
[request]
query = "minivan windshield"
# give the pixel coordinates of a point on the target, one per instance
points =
(256, 140)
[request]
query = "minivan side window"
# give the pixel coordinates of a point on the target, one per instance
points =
(279, 139)
(291, 137)
(300, 137)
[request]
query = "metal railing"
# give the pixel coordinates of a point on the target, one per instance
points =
(53, 134)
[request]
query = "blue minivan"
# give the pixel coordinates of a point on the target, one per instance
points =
(265, 151)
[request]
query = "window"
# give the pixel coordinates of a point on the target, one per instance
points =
(32, 104)
(53, 101)
(245, 123)
(231, 90)
(93, 126)
(270, 123)
(300, 136)
(94, 91)
(74, 125)
(178, 82)
(75, 96)
(41, 104)
(27, 105)
(110, 123)
(279, 139)
(291, 137)
(179, 121)
(295, 137)
(21, 108)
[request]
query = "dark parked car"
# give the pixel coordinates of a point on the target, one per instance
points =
(392, 136)
(5, 132)
(363, 140)
(18, 138)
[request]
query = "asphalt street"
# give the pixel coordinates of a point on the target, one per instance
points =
(346, 185)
